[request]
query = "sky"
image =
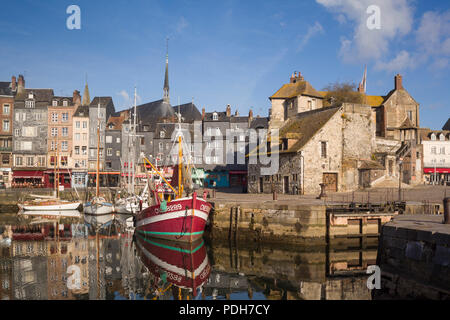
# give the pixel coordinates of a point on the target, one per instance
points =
(229, 52)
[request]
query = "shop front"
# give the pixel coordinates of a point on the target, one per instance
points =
(79, 179)
(217, 179)
(438, 176)
(6, 176)
(107, 179)
(238, 178)
(65, 178)
(28, 179)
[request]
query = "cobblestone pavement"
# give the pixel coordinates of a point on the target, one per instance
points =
(423, 193)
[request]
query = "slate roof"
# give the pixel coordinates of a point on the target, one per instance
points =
(446, 125)
(261, 122)
(221, 116)
(5, 89)
(189, 112)
(291, 90)
(82, 111)
(116, 123)
(40, 95)
(102, 100)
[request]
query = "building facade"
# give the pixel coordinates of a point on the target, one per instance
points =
(436, 156)
(7, 93)
(80, 138)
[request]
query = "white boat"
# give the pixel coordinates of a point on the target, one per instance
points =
(98, 206)
(99, 221)
(53, 213)
(49, 205)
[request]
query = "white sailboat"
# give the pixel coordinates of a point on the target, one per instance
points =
(98, 205)
(49, 203)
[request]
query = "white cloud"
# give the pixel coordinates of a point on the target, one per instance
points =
(311, 32)
(402, 61)
(181, 25)
(365, 44)
(127, 100)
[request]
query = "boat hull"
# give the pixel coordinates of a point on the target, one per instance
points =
(186, 265)
(50, 207)
(98, 208)
(184, 220)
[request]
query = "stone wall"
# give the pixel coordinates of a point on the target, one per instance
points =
(414, 258)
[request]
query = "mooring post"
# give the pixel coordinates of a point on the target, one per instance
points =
(274, 195)
(231, 224)
(447, 211)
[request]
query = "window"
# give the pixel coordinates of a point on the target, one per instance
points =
(6, 109)
(310, 105)
(65, 103)
(323, 149)
(118, 140)
(217, 131)
(64, 161)
(84, 150)
(77, 150)
(410, 115)
(433, 150)
(442, 150)
(161, 146)
(18, 161)
(65, 117)
(54, 117)
(433, 137)
(162, 134)
(117, 153)
(65, 132)
(54, 103)
(29, 131)
(77, 136)
(215, 116)
(5, 160)
(38, 116)
(84, 136)
(54, 132)
(41, 161)
(30, 161)
(108, 139)
(109, 152)
(441, 137)
(29, 104)
(27, 145)
(64, 145)
(77, 124)
(84, 124)
(108, 164)
(5, 125)
(53, 146)
(142, 141)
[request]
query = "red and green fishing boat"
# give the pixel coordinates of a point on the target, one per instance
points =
(182, 218)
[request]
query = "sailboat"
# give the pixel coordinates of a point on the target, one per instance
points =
(134, 203)
(181, 219)
(98, 205)
(49, 203)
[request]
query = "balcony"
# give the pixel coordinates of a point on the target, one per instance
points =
(6, 149)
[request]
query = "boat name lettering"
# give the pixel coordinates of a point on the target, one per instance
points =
(172, 207)
(204, 208)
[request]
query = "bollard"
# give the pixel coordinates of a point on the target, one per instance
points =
(274, 195)
(447, 211)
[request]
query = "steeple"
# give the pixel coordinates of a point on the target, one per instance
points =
(86, 97)
(166, 97)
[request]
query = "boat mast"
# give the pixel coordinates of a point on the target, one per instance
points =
(180, 153)
(134, 143)
(98, 152)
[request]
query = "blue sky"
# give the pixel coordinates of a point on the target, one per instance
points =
(229, 52)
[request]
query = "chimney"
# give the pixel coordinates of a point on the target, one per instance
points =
(228, 110)
(21, 84)
(361, 88)
(398, 82)
(292, 78)
(76, 98)
(250, 117)
(13, 83)
(300, 77)
(203, 113)
(236, 113)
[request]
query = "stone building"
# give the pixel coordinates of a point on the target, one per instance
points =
(60, 139)
(331, 146)
(113, 145)
(100, 109)
(7, 93)
(292, 98)
(30, 135)
(80, 158)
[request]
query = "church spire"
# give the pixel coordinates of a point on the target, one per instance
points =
(166, 78)
(86, 97)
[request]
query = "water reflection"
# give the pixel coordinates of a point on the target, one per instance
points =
(42, 256)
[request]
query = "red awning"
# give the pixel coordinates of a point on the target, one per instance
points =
(28, 174)
(437, 170)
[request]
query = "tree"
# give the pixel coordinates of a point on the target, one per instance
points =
(339, 93)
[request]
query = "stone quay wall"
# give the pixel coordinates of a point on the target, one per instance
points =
(414, 258)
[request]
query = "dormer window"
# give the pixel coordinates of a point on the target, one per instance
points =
(433, 137)
(110, 126)
(31, 95)
(215, 116)
(65, 103)
(441, 137)
(29, 104)
(162, 134)
(54, 103)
